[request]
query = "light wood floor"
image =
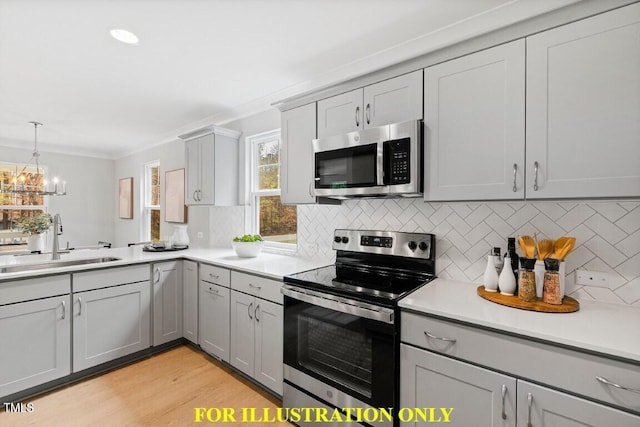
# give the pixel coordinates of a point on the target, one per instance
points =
(162, 390)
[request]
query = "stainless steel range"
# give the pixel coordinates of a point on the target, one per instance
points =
(341, 327)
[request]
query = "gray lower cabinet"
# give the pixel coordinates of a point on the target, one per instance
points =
(454, 365)
(214, 320)
(110, 323)
(36, 343)
(167, 302)
(542, 407)
(256, 339)
(190, 301)
(475, 395)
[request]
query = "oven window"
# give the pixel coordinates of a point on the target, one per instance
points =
(334, 346)
(347, 167)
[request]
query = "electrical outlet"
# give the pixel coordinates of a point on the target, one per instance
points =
(200, 235)
(592, 278)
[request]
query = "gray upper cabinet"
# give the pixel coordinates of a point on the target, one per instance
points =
(583, 108)
(474, 126)
(211, 162)
(296, 153)
(391, 101)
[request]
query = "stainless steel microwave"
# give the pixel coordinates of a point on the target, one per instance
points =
(382, 161)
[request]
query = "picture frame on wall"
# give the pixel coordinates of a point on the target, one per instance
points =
(174, 208)
(125, 198)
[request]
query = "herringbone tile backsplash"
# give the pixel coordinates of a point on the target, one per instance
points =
(608, 235)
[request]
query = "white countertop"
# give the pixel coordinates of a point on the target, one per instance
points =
(270, 265)
(610, 329)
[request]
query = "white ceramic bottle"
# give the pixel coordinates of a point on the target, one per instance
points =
(506, 280)
(180, 236)
(490, 278)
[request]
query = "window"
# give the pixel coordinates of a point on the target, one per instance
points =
(151, 201)
(275, 222)
(15, 206)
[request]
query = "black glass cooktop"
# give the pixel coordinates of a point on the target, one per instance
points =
(363, 282)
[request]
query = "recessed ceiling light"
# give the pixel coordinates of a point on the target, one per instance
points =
(124, 36)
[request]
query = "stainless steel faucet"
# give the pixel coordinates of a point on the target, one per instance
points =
(57, 231)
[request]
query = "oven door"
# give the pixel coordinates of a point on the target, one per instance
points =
(347, 345)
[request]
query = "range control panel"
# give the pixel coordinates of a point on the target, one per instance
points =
(377, 241)
(415, 245)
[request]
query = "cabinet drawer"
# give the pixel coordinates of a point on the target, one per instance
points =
(558, 367)
(30, 289)
(218, 275)
(259, 286)
(104, 278)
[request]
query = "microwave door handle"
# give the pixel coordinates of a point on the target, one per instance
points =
(341, 305)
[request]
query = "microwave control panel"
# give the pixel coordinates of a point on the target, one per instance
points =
(397, 158)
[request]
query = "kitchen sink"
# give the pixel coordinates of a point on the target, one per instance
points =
(55, 264)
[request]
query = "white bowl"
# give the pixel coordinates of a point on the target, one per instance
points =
(247, 249)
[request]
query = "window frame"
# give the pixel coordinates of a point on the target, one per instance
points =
(254, 193)
(44, 207)
(145, 198)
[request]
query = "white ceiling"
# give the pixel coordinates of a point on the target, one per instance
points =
(203, 62)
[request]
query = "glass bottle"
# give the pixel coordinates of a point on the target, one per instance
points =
(551, 292)
(527, 282)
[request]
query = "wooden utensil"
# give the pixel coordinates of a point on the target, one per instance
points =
(545, 248)
(527, 246)
(563, 246)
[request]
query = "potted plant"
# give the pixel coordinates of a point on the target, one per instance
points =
(248, 246)
(35, 227)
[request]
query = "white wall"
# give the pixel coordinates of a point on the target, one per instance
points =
(171, 156)
(88, 210)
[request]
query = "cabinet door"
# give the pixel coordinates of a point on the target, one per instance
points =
(36, 343)
(190, 301)
(543, 407)
(214, 320)
(110, 323)
(394, 101)
(192, 166)
(583, 108)
(340, 114)
(242, 332)
(296, 155)
(207, 169)
(268, 341)
(474, 126)
(478, 397)
(167, 302)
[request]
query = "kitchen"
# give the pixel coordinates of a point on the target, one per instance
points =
(606, 228)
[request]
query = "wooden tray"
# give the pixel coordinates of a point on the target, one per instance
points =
(569, 305)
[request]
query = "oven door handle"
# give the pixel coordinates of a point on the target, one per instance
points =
(342, 305)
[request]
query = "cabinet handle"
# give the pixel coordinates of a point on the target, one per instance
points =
(358, 116)
(504, 394)
(535, 177)
(311, 189)
(79, 306)
(367, 110)
(603, 380)
(256, 313)
(529, 405)
(249, 310)
(429, 335)
(515, 169)
(199, 195)
(215, 291)
(214, 276)
(195, 198)
(156, 275)
(64, 310)
(251, 285)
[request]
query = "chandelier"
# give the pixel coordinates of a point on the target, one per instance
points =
(28, 183)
